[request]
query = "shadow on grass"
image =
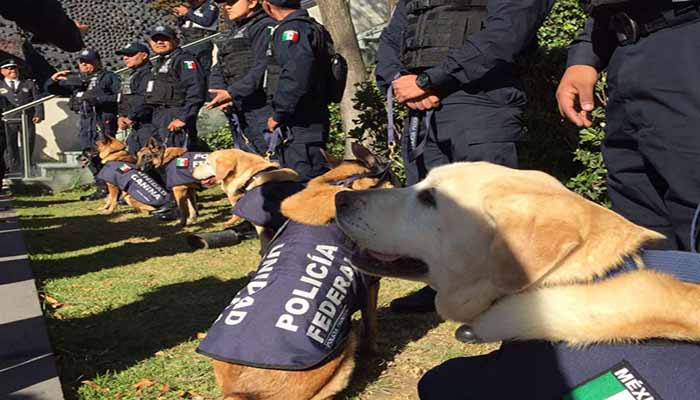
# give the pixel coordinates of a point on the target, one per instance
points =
(395, 332)
(118, 339)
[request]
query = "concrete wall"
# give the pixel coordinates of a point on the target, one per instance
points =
(58, 133)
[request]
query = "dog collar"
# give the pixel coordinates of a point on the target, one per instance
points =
(683, 265)
(269, 174)
(382, 175)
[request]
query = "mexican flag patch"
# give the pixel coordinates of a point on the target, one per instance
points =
(621, 382)
(182, 162)
(190, 64)
(290, 36)
(124, 169)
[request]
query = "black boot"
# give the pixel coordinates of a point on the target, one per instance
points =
(100, 192)
(165, 208)
(420, 301)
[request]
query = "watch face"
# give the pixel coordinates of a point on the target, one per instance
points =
(423, 81)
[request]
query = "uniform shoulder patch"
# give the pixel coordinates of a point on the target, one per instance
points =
(621, 382)
(182, 162)
(290, 36)
(190, 64)
(124, 168)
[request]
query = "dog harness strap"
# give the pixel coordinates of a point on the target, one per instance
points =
(296, 311)
(179, 170)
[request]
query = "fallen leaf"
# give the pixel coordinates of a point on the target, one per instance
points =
(52, 302)
(91, 384)
(164, 388)
(143, 383)
(160, 354)
(201, 335)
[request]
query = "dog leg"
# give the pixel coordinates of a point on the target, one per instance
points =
(144, 208)
(369, 320)
(111, 202)
(181, 198)
(633, 306)
(235, 219)
(192, 207)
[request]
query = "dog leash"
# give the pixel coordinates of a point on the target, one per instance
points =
(416, 144)
(275, 139)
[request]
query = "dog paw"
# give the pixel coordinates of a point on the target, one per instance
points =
(191, 221)
(232, 221)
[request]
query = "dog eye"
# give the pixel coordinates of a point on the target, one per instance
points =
(427, 198)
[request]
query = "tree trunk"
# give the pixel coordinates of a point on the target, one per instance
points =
(337, 19)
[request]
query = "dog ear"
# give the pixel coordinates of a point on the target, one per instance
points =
(330, 160)
(224, 167)
(152, 143)
(364, 156)
(314, 205)
(533, 235)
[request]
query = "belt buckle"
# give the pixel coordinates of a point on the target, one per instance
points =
(626, 28)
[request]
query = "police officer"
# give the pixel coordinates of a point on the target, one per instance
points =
(452, 64)
(19, 92)
(4, 106)
(237, 78)
(133, 113)
(295, 79)
(93, 97)
(198, 21)
(176, 89)
(651, 146)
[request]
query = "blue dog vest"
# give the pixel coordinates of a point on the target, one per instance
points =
(295, 313)
(179, 170)
(134, 182)
(261, 205)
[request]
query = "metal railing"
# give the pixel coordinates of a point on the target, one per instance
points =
(24, 142)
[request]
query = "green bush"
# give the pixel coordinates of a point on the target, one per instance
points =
(218, 139)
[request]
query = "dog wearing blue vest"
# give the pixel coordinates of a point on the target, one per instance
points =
(287, 334)
(565, 283)
(120, 174)
(175, 164)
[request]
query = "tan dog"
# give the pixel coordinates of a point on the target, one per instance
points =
(516, 255)
(313, 206)
(158, 156)
(110, 149)
(237, 172)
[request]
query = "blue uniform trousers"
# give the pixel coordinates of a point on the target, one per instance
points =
(652, 142)
(465, 127)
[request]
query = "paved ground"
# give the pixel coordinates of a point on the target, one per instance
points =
(27, 365)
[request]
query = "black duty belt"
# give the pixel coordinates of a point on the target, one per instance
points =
(630, 26)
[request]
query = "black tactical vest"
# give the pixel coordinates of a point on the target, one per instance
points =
(165, 87)
(127, 99)
(436, 26)
(81, 83)
(235, 54)
(192, 31)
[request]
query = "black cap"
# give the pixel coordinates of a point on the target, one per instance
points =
(286, 3)
(163, 30)
(89, 54)
(10, 62)
(131, 49)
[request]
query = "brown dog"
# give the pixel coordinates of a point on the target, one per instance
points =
(164, 159)
(238, 172)
(111, 149)
(311, 209)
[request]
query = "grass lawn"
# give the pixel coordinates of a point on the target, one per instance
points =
(127, 302)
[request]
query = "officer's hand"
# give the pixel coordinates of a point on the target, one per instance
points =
(405, 89)
(81, 27)
(221, 97)
(60, 75)
(180, 10)
(176, 125)
(124, 123)
(426, 102)
(575, 94)
(36, 120)
(272, 124)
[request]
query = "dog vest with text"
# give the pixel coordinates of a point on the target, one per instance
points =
(261, 205)
(179, 170)
(295, 312)
(136, 183)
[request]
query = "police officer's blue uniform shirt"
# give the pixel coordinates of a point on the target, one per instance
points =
(299, 101)
(179, 170)
(204, 17)
(136, 183)
(295, 313)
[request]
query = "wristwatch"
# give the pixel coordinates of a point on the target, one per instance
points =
(423, 81)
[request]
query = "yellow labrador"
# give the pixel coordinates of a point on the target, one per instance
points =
(518, 256)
